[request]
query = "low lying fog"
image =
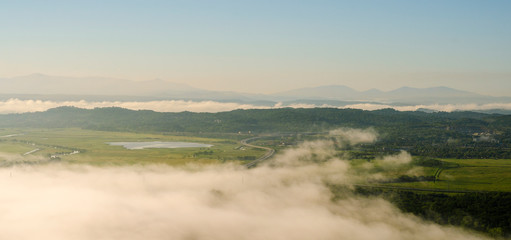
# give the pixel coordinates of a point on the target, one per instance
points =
(22, 106)
(285, 198)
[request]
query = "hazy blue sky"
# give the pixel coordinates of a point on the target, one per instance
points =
(264, 46)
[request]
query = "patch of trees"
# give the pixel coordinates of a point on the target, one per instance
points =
(428, 162)
(205, 152)
(406, 178)
(488, 212)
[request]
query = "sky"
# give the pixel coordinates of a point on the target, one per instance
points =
(264, 46)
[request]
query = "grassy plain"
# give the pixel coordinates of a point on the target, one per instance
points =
(25, 145)
(93, 148)
(469, 175)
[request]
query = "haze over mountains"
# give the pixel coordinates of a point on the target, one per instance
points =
(39, 84)
(440, 95)
(56, 85)
(98, 89)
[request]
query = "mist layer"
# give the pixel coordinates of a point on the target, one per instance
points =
(286, 198)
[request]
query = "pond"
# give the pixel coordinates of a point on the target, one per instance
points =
(142, 145)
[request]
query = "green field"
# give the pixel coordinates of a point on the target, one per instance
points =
(455, 175)
(467, 175)
(33, 145)
(93, 148)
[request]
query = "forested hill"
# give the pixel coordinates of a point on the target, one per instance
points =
(256, 121)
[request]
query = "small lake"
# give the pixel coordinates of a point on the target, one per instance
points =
(142, 145)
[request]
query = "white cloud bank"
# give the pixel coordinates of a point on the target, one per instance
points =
(283, 199)
(22, 106)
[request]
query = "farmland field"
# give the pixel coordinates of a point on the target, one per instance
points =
(87, 146)
(468, 175)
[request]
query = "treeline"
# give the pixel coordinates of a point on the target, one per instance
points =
(456, 134)
(262, 120)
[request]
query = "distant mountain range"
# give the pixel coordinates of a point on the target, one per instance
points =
(404, 95)
(44, 87)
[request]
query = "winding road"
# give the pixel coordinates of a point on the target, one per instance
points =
(268, 154)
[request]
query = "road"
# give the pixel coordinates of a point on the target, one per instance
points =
(268, 154)
(30, 152)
